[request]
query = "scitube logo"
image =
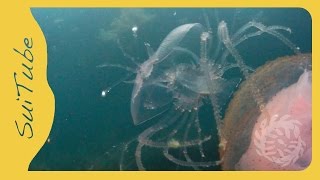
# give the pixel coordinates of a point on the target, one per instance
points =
(23, 81)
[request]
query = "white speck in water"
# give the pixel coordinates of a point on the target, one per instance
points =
(175, 13)
(104, 93)
(134, 30)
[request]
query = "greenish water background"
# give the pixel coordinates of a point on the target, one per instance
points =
(89, 130)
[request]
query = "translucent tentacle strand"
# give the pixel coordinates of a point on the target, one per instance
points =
(186, 163)
(185, 137)
(224, 35)
(240, 36)
(205, 68)
(118, 66)
(145, 136)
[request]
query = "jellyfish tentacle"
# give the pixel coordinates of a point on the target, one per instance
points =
(186, 163)
(209, 30)
(144, 138)
(210, 78)
(228, 66)
(224, 35)
(276, 34)
(237, 42)
(186, 134)
(230, 45)
(215, 57)
(138, 157)
(225, 38)
(162, 143)
(184, 140)
(193, 55)
(277, 27)
(186, 143)
(125, 54)
(178, 127)
(217, 114)
(195, 58)
(194, 119)
(253, 24)
(124, 150)
(199, 131)
(240, 37)
(155, 144)
(118, 66)
(108, 89)
(264, 29)
(145, 135)
(219, 43)
(122, 156)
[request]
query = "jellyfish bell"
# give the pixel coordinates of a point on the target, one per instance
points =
(277, 137)
(150, 76)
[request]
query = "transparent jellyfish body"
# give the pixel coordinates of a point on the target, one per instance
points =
(177, 80)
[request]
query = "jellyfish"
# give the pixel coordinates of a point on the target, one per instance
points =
(178, 80)
(279, 137)
(172, 84)
(272, 147)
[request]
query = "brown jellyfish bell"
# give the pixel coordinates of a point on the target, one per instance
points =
(274, 134)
